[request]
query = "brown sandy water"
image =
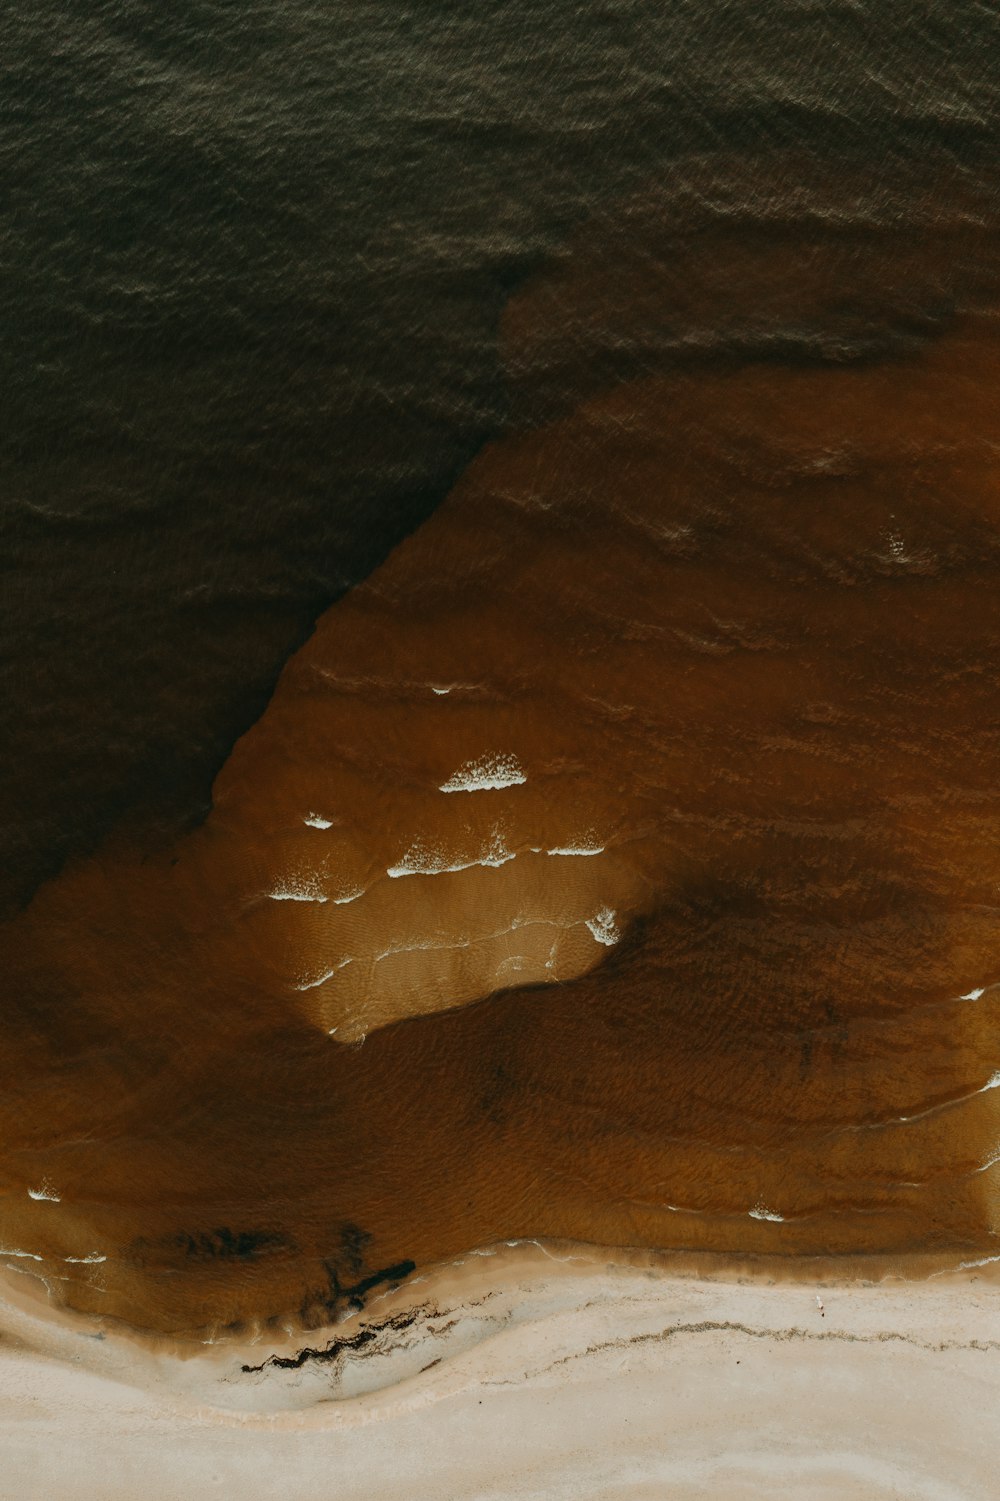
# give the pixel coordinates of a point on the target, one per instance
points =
(673, 734)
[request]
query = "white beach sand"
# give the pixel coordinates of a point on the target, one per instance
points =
(525, 1376)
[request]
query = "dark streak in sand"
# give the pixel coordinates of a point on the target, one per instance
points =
(354, 1299)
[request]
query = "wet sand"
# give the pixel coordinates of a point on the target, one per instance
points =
(530, 1373)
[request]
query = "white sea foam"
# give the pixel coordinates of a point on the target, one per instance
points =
(966, 1266)
(985, 1166)
(327, 975)
(577, 849)
(420, 948)
(489, 774)
(993, 1082)
(316, 821)
(973, 995)
(513, 965)
(759, 1212)
(467, 943)
(46, 1192)
(349, 896)
(90, 1260)
(298, 889)
(604, 927)
(29, 1255)
(421, 861)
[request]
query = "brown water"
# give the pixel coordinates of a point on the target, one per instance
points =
(674, 733)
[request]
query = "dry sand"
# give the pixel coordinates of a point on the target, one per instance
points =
(533, 1372)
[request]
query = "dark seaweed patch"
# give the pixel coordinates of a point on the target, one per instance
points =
(336, 1347)
(220, 1244)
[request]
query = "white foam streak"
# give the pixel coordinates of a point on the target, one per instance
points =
(973, 995)
(577, 849)
(966, 1266)
(490, 773)
(516, 926)
(993, 1082)
(30, 1255)
(316, 821)
(298, 889)
(329, 974)
(603, 927)
(420, 861)
(90, 1260)
(759, 1212)
(45, 1192)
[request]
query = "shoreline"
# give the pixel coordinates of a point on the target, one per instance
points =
(30, 1316)
(529, 1372)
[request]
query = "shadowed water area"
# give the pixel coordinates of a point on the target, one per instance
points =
(618, 861)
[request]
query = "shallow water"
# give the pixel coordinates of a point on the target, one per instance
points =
(671, 732)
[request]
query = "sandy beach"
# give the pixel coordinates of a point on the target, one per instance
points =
(527, 1371)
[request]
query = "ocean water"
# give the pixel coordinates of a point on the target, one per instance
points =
(585, 412)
